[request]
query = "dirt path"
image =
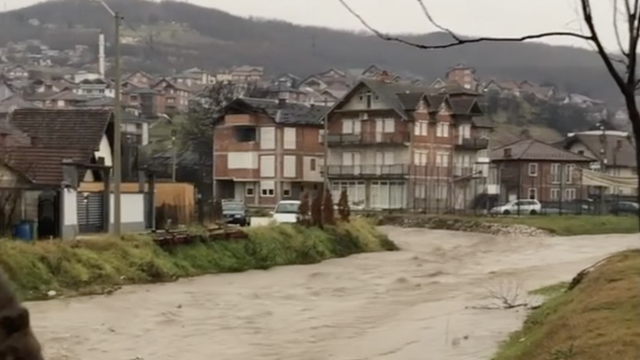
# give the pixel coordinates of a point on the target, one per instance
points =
(407, 305)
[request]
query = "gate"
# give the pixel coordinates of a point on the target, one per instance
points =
(90, 213)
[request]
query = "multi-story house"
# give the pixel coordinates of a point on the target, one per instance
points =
(16, 72)
(531, 169)
(395, 146)
(95, 88)
(610, 150)
(139, 78)
(175, 97)
(266, 151)
(247, 73)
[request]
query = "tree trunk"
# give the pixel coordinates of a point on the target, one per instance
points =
(634, 117)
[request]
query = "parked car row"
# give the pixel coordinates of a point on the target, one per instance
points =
(236, 212)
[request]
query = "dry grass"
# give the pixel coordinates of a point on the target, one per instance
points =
(598, 319)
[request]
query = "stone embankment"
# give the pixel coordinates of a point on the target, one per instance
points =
(461, 224)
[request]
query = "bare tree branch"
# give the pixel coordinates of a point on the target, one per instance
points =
(457, 40)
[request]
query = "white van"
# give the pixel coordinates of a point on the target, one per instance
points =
(286, 211)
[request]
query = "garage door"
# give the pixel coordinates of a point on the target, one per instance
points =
(90, 213)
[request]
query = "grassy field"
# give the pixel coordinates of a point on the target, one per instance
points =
(102, 265)
(598, 319)
(576, 225)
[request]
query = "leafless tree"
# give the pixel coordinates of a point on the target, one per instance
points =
(9, 196)
(621, 66)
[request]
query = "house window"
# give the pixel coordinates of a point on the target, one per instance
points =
(267, 188)
(369, 99)
(321, 136)
(312, 164)
(351, 126)
(441, 191)
(555, 194)
(420, 158)
(533, 169)
(421, 128)
(581, 152)
(442, 159)
(569, 194)
(533, 193)
(286, 189)
(555, 173)
(249, 190)
(568, 173)
(389, 125)
(442, 130)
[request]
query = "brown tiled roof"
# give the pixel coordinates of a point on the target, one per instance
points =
(80, 129)
(535, 150)
(625, 155)
(42, 166)
(465, 106)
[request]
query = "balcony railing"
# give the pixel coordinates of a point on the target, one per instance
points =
(368, 170)
(462, 171)
(368, 138)
(473, 144)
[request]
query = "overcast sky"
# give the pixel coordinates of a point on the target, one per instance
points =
(472, 17)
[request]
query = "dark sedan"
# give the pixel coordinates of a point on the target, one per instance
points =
(235, 213)
(625, 208)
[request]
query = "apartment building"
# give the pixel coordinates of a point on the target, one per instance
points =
(394, 145)
(268, 150)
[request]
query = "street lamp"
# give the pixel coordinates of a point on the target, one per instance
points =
(117, 136)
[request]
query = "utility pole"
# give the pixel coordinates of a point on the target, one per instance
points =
(117, 138)
(117, 127)
(174, 155)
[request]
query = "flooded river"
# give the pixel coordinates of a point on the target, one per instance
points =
(417, 304)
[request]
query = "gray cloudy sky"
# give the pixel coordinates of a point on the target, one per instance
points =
(474, 17)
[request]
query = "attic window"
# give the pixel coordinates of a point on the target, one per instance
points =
(507, 152)
(581, 152)
(246, 134)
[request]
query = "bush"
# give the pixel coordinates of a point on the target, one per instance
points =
(343, 206)
(316, 210)
(102, 265)
(303, 210)
(328, 214)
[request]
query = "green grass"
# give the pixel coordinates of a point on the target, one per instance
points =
(598, 319)
(98, 266)
(551, 290)
(576, 225)
(555, 224)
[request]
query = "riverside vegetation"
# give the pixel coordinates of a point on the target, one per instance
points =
(541, 225)
(594, 317)
(98, 266)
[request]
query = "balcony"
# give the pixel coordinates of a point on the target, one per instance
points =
(367, 171)
(463, 171)
(369, 138)
(473, 144)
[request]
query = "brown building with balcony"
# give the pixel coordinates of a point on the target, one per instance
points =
(531, 169)
(398, 146)
(266, 151)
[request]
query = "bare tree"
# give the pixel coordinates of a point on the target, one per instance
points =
(622, 67)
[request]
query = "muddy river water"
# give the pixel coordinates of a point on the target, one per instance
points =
(417, 304)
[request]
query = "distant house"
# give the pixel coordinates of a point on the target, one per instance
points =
(531, 169)
(247, 73)
(462, 75)
(16, 72)
(615, 150)
(139, 78)
(95, 88)
(175, 97)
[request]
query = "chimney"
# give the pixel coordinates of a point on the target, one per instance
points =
(507, 153)
(384, 76)
(101, 64)
(282, 99)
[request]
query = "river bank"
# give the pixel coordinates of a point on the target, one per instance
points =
(48, 269)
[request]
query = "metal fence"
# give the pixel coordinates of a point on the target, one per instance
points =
(466, 190)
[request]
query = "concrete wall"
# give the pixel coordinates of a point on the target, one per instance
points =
(69, 214)
(132, 212)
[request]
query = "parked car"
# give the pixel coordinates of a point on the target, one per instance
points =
(625, 208)
(286, 211)
(522, 206)
(235, 212)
